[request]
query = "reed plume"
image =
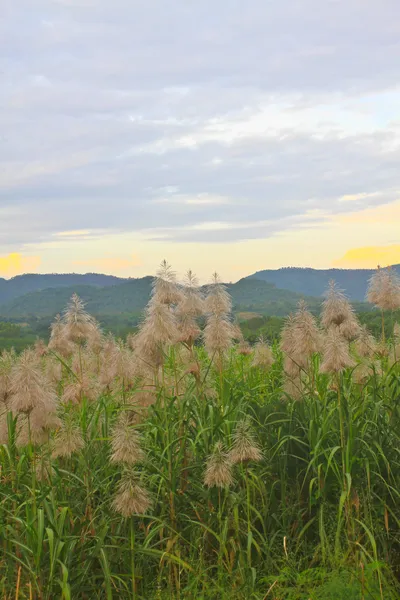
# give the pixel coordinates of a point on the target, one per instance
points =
(7, 360)
(218, 335)
(122, 366)
(336, 309)
(40, 348)
(188, 310)
(218, 472)
(84, 387)
(158, 331)
(53, 371)
(244, 447)
(365, 344)
(131, 498)
(350, 329)
(36, 427)
(263, 357)
(306, 334)
(68, 440)
(244, 349)
(335, 356)
(165, 288)
(384, 289)
(59, 342)
(29, 388)
(219, 332)
(218, 301)
(125, 441)
(3, 425)
(79, 326)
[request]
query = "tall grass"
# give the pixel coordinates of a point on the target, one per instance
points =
(174, 470)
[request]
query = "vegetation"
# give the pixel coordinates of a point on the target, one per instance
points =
(185, 464)
(313, 282)
(133, 295)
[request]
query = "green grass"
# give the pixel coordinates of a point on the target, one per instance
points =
(290, 524)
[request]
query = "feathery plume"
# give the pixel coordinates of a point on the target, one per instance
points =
(218, 472)
(158, 331)
(122, 364)
(306, 334)
(244, 447)
(263, 357)
(336, 356)
(53, 371)
(40, 348)
(79, 325)
(244, 348)
(68, 440)
(165, 289)
(35, 428)
(365, 344)
(336, 309)
(29, 388)
(350, 329)
(384, 289)
(192, 302)
(7, 360)
(85, 387)
(125, 442)
(218, 301)
(218, 334)
(131, 498)
(59, 342)
(188, 310)
(3, 425)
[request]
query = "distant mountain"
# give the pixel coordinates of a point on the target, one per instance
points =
(313, 282)
(24, 284)
(131, 296)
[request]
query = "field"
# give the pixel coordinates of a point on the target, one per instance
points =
(185, 463)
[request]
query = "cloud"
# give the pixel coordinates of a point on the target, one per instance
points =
(194, 124)
(15, 264)
(370, 257)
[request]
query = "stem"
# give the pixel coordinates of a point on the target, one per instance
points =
(133, 580)
(342, 436)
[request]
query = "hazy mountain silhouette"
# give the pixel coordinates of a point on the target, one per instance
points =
(314, 282)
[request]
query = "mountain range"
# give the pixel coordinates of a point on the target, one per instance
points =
(314, 282)
(273, 292)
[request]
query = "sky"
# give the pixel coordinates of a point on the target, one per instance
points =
(223, 136)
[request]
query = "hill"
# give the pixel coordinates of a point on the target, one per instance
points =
(313, 282)
(131, 296)
(24, 284)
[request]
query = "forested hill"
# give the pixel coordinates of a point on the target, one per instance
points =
(131, 296)
(24, 284)
(313, 282)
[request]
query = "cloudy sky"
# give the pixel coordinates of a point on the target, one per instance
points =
(228, 135)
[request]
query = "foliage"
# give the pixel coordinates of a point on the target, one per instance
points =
(155, 470)
(315, 281)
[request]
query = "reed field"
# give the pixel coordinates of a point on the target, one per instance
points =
(186, 464)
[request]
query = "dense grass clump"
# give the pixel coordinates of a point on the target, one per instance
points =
(186, 464)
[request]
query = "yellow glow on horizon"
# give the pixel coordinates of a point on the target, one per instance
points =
(110, 264)
(16, 264)
(370, 257)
